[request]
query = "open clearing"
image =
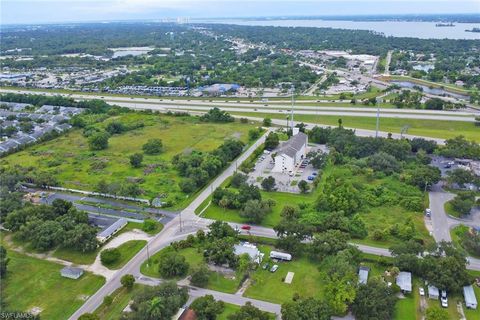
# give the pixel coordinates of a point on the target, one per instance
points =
(69, 159)
(39, 284)
(428, 128)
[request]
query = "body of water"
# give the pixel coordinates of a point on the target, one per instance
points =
(412, 29)
(435, 91)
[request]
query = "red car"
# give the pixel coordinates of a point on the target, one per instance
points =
(246, 227)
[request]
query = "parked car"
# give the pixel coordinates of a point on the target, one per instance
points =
(246, 227)
(310, 178)
(444, 299)
(421, 291)
(428, 212)
(274, 268)
(314, 173)
(265, 266)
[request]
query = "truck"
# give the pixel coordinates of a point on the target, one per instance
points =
(280, 255)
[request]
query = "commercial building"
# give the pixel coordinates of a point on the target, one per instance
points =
(291, 153)
(111, 230)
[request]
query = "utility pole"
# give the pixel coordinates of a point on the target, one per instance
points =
(291, 110)
(377, 101)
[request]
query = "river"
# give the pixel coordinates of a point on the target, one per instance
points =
(412, 29)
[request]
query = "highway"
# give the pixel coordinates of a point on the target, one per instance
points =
(273, 107)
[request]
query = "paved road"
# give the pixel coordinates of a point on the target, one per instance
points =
(271, 107)
(172, 231)
(440, 223)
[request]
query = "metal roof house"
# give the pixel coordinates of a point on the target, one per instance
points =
(250, 249)
(106, 234)
(71, 272)
(291, 153)
(470, 299)
(363, 275)
(433, 293)
(404, 281)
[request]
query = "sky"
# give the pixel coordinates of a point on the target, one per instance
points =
(48, 11)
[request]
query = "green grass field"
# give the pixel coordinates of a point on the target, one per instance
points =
(272, 219)
(269, 286)
(231, 309)
(194, 258)
(73, 164)
(456, 234)
(76, 257)
(121, 297)
(429, 128)
(127, 251)
(37, 283)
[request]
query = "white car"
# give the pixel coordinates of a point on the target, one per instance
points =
(444, 299)
(428, 212)
(421, 291)
(274, 268)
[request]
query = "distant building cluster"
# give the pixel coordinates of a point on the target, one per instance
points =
(21, 124)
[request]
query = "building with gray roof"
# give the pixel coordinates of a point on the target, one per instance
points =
(433, 292)
(404, 281)
(106, 234)
(291, 153)
(470, 299)
(71, 272)
(363, 275)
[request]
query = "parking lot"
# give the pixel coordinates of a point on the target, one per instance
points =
(285, 182)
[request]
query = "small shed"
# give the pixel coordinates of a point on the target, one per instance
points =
(470, 299)
(404, 281)
(433, 292)
(71, 272)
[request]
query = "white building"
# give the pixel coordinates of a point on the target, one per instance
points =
(404, 281)
(470, 299)
(291, 153)
(250, 249)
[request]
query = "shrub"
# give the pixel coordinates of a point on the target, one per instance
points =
(153, 146)
(109, 256)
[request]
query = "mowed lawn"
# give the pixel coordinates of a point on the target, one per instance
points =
(68, 157)
(37, 283)
(127, 251)
(268, 286)
(429, 128)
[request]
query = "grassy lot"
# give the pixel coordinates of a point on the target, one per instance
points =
(456, 234)
(428, 128)
(138, 225)
(39, 284)
(121, 298)
(194, 258)
(281, 199)
(127, 251)
(405, 309)
(76, 257)
(231, 309)
(450, 211)
(81, 168)
(270, 287)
